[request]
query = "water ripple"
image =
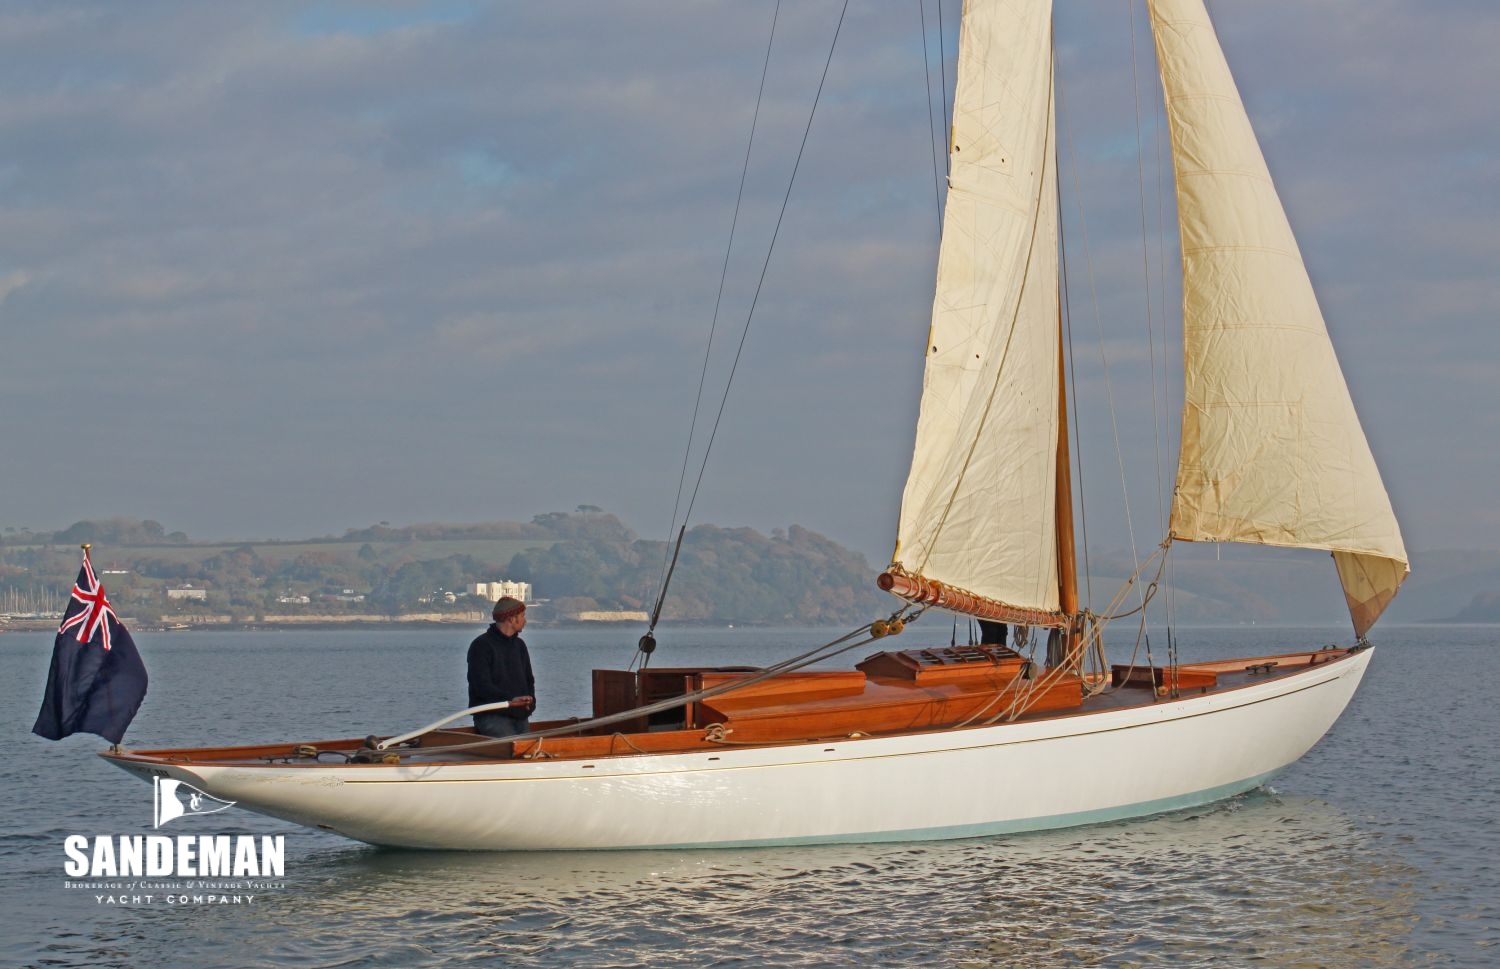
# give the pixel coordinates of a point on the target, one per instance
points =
(1391, 864)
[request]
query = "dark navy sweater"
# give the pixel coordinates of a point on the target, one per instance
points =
(500, 669)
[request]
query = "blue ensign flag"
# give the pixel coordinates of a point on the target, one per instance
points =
(97, 680)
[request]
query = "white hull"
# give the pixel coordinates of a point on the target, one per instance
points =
(1050, 773)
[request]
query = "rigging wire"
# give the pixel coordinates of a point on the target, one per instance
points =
(1160, 309)
(671, 552)
(765, 265)
(1099, 321)
(1151, 309)
(750, 314)
(1140, 171)
(1163, 156)
(932, 134)
(943, 75)
(1077, 449)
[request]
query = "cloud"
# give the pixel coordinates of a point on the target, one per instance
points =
(315, 246)
(11, 282)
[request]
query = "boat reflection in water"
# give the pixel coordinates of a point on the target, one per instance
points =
(1259, 878)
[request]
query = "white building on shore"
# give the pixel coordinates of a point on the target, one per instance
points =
(494, 591)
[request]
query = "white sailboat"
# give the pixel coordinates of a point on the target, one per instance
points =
(952, 742)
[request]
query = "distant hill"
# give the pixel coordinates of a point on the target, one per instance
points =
(581, 561)
(1450, 586)
(588, 560)
(1485, 607)
(1241, 584)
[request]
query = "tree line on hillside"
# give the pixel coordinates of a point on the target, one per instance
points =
(117, 531)
(581, 560)
(728, 574)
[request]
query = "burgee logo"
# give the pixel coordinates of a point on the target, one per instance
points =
(198, 857)
(167, 806)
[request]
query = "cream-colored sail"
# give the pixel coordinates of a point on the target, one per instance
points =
(977, 512)
(1272, 451)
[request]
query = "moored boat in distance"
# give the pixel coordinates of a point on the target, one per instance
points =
(1030, 728)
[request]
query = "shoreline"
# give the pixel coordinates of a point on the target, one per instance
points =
(305, 623)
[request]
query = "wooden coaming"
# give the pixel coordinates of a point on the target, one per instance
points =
(1183, 677)
(788, 687)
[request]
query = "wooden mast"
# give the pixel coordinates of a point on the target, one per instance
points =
(1067, 565)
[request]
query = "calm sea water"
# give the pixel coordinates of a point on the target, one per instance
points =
(1378, 849)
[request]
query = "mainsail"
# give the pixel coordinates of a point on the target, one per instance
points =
(978, 509)
(1272, 450)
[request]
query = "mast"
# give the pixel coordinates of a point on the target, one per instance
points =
(1067, 562)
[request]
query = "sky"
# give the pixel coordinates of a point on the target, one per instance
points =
(277, 270)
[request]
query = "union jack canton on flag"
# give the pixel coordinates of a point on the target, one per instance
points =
(97, 680)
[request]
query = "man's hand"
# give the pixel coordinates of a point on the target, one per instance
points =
(523, 702)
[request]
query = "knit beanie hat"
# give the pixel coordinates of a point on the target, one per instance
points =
(508, 607)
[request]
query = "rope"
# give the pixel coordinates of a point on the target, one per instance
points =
(943, 72)
(1073, 412)
(714, 326)
(1140, 171)
(1140, 634)
(1103, 357)
(1162, 501)
(1162, 140)
(1090, 645)
(937, 192)
(618, 736)
(1161, 553)
(765, 266)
